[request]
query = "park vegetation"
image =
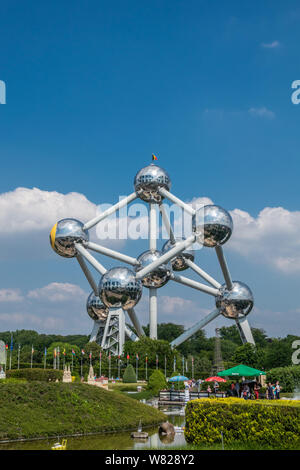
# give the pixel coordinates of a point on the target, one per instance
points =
(263, 423)
(39, 409)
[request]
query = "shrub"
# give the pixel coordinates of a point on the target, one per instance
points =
(156, 382)
(289, 377)
(129, 376)
(40, 375)
(264, 422)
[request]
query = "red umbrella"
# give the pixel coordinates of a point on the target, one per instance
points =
(215, 379)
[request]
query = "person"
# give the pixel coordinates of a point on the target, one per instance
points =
(246, 392)
(216, 387)
(256, 391)
(277, 390)
(209, 390)
(237, 389)
(270, 391)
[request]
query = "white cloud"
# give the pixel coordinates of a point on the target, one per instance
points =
(58, 292)
(272, 237)
(270, 45)
(29, 210)
(10, 295)
(262, 112)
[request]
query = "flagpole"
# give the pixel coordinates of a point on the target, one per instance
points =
(19, 349)
(58, 357)
(109, 366)
(165, 366)
(72, 362)
(11, 348)
(137, 367)
(119, 364)
(146, 367)
(31, 356)
(100, 364)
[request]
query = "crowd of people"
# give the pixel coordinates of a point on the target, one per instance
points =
(250, 390)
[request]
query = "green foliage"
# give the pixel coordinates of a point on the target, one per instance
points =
(129, 375)
(150, 348)
(156, 382)
(39, 409)
(288, 377)
(262, 422)
(166, 331)
(41, 375)
(249, 355)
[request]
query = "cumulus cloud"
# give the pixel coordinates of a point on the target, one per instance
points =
(29, 210)
(58, 292)
(272, 237)
(10, 295)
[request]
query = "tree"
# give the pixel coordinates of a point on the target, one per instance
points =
(151, 348)
(129, 376)
(156, 382)
(166, 331)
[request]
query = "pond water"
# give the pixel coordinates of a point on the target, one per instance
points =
(112, 441)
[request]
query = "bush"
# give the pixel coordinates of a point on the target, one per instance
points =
(40, 375)
(156, 382)
(289, 377)
(129, 376)
(275, 423)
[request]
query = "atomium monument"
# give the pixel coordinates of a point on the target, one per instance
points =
(120, 288)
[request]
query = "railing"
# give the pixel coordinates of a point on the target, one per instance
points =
(179, 395)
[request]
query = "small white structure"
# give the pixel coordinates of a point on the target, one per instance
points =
(67, 377)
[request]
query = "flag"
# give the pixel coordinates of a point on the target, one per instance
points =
(146, 358)
(73, 352)
(54, 352)
(100, 354)
(156, 359)
(82, 352)
(127, 356)
(90, 356)
(45, 352)
(109, 356)
(154, 157)
(64, 352)
(137, 357)
(6, 346)
(32, 350)
(11, 343)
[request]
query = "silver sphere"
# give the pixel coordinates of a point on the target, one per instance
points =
(65, 234)
(148, 180)
(160, 276)
(179, 262)
(214, 225)
(235, 303)
(96, 308)
(119, 288)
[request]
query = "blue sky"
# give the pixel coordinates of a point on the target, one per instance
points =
(94, 88)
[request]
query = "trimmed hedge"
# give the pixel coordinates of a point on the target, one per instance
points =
(129, 376)
(40, 375)
(275, 423)
(156, 382)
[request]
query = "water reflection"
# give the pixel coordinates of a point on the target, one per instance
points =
(112, 441)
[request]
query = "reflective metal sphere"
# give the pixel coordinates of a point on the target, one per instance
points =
(157, 278)
(235, 303)
(213, 225)
(179, 262)
(96, 308)
(119, 288)
(148, 180)
(65, 234)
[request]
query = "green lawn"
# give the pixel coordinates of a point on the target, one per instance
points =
(36, 409)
